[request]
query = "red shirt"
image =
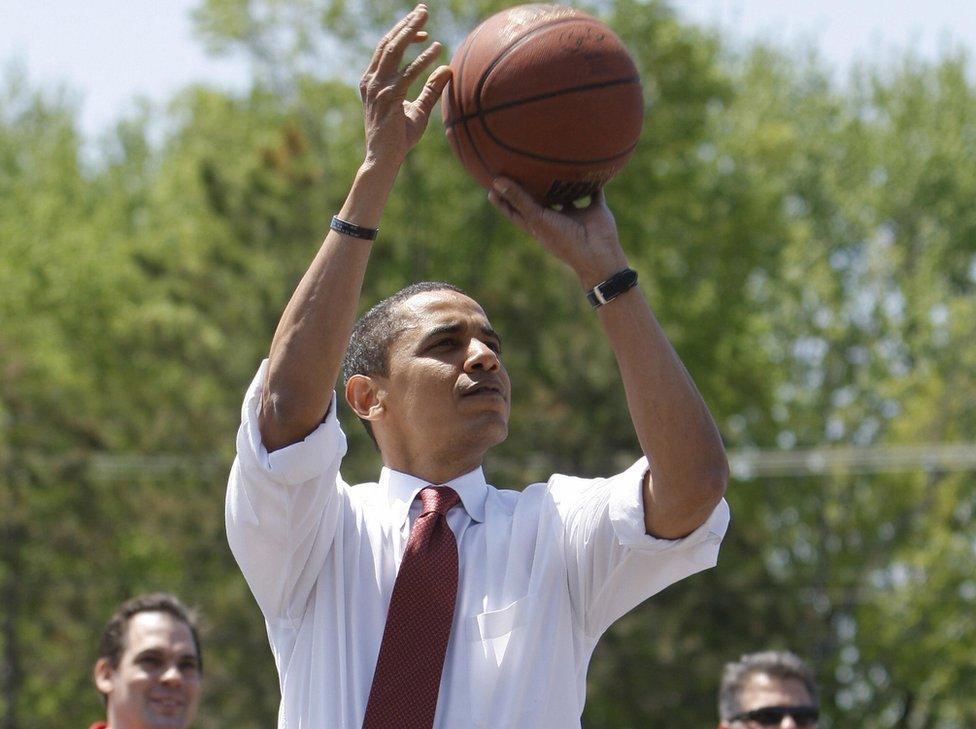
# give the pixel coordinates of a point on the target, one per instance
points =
(99, 725)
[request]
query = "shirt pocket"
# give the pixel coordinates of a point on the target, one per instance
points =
(494, 629)
(495, 637)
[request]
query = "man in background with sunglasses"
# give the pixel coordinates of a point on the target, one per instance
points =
(768, 689)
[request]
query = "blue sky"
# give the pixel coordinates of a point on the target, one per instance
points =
(111, 51)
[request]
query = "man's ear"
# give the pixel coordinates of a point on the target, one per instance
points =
(103, 676)
(365, 397)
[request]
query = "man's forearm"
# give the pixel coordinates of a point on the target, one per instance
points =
(314, 330)
(673, 425)
(311, 338)
(688, 467)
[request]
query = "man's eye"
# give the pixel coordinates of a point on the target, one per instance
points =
(149, 662)
(189, 666)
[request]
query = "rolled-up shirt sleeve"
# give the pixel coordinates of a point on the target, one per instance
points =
(283, 508)
(613, 564)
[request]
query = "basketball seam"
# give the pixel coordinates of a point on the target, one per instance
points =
(555, 160)
(511, 46)
(460, 105)
(542, 97)
(487, 72)
(463, 119)
(453, 101)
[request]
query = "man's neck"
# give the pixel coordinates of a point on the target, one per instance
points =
(434, 470)
(432, 474)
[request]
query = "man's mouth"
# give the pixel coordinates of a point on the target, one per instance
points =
(168, 705)
(487, 389)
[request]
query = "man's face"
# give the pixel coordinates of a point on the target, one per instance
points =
(157, 682)
(447, 386)
(763, 691)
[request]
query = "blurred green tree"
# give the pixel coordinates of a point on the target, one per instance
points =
(810, 247)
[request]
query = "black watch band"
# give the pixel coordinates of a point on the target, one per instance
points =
(356, 231)
(612, 288)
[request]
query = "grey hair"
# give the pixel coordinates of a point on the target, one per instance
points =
(778, 664)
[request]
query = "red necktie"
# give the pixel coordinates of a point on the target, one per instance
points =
(418, 626)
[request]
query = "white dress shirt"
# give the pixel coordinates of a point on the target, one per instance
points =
(543, 573)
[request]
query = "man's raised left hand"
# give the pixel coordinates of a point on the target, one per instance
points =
(584, 238)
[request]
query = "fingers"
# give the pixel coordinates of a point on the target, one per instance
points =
(517, 205)
(432, 90)
(507, 210)
(419, 64)
(387, 39)
(392, 52)
(597, 200)
(519, 200)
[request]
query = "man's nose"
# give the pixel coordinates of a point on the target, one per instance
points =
(788, 723)
(172, 674)
(481, 356)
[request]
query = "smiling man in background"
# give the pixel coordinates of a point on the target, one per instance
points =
(149, 665)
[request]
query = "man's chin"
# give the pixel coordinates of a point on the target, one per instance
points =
(495, 433)
(493, 442)
(489, 431)
(161, 715)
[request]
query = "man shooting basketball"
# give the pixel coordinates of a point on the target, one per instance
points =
(431, 598)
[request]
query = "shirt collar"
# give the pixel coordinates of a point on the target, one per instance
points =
(402, 488)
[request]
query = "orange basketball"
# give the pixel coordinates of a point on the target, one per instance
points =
(545, 95)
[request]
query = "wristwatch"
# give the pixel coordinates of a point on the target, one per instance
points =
(612, 288)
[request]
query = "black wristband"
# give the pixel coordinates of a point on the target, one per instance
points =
(356, 231)
(610, 289)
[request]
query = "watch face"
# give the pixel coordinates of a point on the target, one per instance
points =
(612, 287)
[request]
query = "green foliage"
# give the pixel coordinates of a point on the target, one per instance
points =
(810, 249)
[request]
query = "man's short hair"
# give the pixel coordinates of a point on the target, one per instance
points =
(777, 664)
(112, 644)
(369, 344)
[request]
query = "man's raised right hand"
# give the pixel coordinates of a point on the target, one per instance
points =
(393, 124)
(308, 345)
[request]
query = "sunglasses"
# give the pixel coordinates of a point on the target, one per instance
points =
(804, 716)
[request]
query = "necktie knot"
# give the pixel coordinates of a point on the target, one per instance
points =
(438, 498)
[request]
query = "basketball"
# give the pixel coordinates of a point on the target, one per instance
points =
(545, 95)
